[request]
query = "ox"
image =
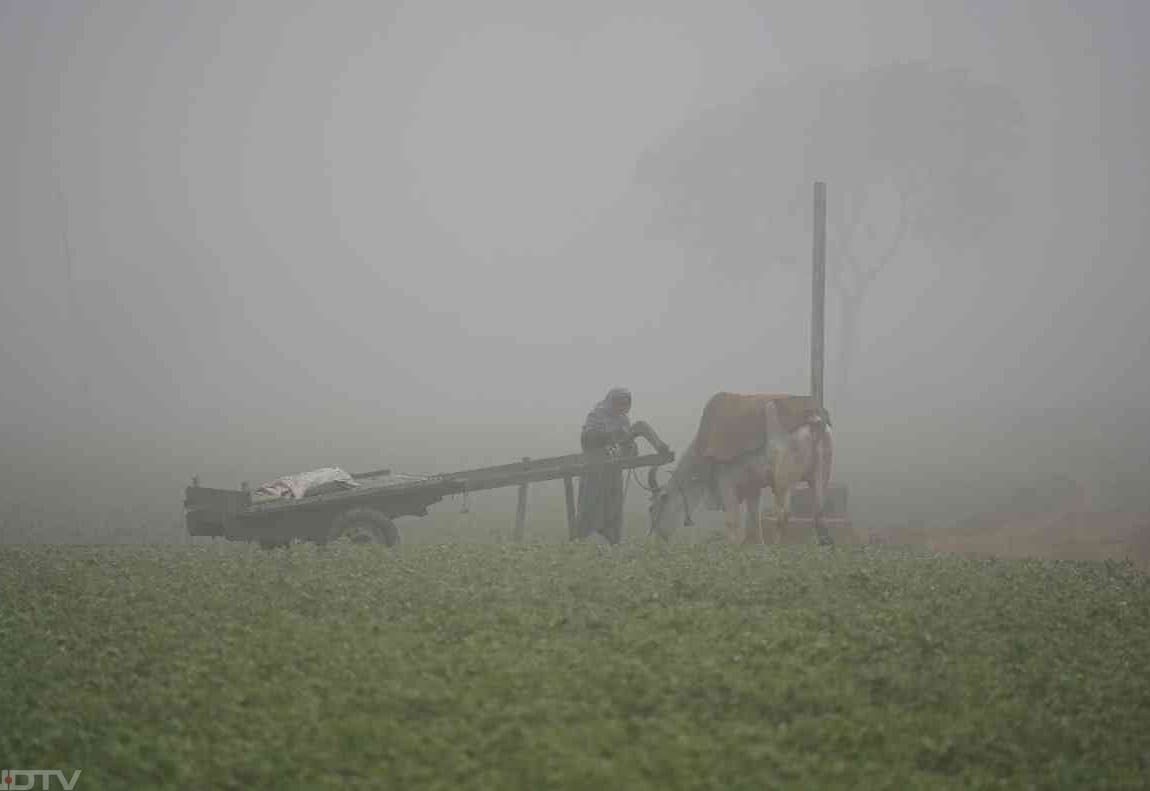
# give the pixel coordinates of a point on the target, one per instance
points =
(746, 443)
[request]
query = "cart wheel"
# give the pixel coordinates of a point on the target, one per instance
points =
(364, 526)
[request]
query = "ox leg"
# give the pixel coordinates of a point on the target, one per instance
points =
(754, 528)
(818, 488)
(782, 512)
(730, 513)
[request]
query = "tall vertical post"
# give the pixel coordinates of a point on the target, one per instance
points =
(818, 326)
(569, 496)
(818, 291)
(521, 509)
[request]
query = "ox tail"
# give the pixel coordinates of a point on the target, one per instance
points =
(821, 480)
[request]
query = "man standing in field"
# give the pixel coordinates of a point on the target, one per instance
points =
(608, 433)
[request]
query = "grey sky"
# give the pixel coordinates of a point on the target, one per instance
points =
(413, 231)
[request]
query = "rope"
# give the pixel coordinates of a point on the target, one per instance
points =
(465, 519)
(631, 476)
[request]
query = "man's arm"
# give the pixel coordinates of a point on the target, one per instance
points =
(641, 428)
(594, 439)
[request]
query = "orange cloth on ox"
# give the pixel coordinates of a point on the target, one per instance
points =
(734, 424)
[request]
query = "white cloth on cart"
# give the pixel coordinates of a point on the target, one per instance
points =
(299, 485)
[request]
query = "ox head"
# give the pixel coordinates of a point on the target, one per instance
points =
(669, 505)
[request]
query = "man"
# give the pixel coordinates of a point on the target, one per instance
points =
(608, 433)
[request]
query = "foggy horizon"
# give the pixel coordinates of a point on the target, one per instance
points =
(236, 240)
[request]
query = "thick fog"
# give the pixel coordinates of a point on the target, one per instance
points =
(245, 239)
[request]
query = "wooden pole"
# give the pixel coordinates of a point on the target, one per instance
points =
(521, 509)
(569, 492)
(818, 325)
(818, 291)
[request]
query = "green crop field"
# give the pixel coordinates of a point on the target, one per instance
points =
(542, 666)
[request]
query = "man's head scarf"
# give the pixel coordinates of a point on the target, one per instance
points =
(601, 417)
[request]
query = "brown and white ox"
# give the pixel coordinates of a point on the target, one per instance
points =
(746, 443)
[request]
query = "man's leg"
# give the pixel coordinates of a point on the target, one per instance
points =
(612, 528)
(587, 519)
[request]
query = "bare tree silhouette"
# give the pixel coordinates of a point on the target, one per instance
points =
(909, 151)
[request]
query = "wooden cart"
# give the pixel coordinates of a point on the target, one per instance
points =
(367, 513)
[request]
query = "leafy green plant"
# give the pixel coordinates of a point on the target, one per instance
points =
(571, 666)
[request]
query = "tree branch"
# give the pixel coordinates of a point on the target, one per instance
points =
(846, 228)
(867, 276)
